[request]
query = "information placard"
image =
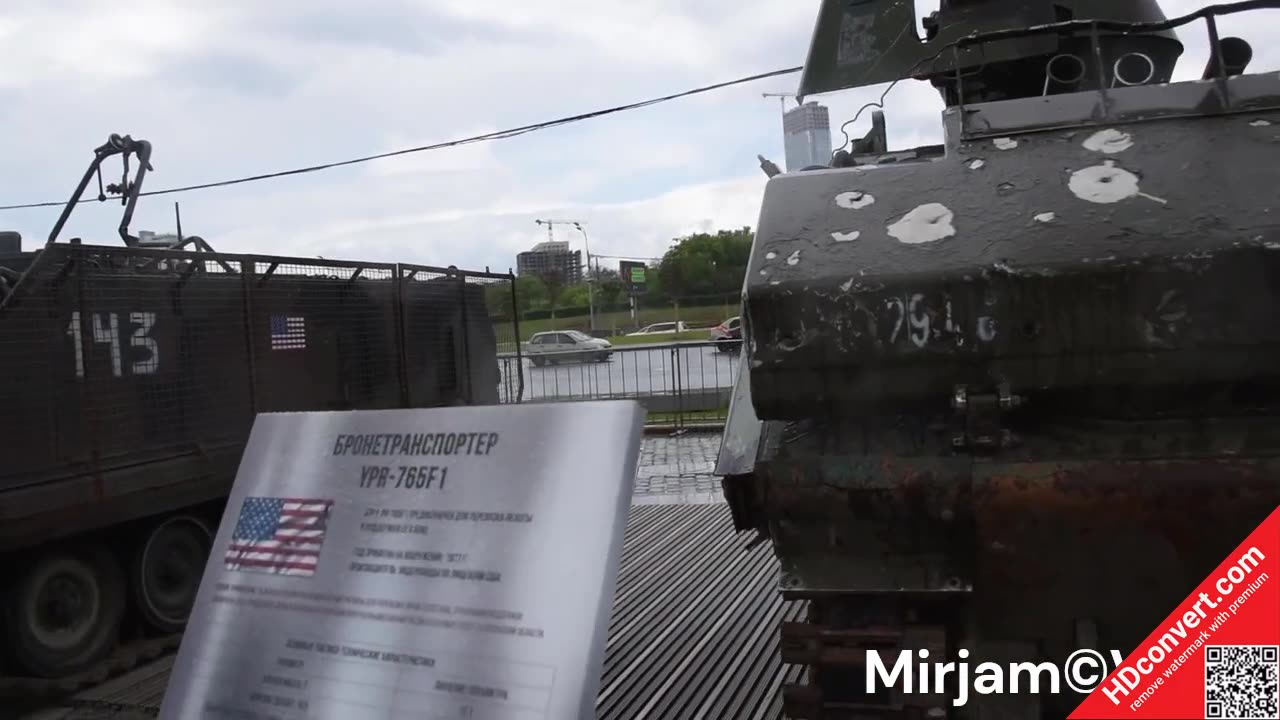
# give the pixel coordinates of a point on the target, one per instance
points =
(436, 563)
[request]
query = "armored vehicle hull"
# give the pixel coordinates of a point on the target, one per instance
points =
(1017, 394)
(133, 377)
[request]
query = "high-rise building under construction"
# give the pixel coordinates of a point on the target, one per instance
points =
(807, 130)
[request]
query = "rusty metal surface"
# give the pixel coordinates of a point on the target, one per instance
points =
(694, 633)
(1118, 543)
(847, 522)
(836, 646)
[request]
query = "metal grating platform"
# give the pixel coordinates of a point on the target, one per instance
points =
(694, 631)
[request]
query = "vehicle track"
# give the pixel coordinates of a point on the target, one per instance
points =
(32, 694)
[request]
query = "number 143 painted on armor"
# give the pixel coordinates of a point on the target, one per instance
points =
(106, 331)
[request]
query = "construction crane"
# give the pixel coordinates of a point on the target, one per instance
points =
(591, 303)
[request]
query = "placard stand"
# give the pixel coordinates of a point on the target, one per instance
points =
(433, 563)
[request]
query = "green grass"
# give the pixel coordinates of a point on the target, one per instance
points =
(692, 417)
(691, 336)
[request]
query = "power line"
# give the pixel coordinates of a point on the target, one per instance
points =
(498, 135)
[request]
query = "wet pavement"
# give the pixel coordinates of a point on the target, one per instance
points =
(678, 469)
(677, 464)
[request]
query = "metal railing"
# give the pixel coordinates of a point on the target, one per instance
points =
(682, 385)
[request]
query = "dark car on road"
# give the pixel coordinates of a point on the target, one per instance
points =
(728, 335)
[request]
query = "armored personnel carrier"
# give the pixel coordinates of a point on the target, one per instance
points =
(131, 380)
(1019, 393)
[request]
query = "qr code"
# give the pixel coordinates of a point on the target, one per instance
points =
(1242, 682)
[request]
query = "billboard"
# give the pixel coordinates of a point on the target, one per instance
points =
(634, 275)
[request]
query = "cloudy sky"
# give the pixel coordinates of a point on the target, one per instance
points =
(241, 87)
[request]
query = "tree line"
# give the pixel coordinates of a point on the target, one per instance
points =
(697, 265)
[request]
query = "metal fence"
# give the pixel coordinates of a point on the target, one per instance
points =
(617, 315)
(116, 355)
(682, 385)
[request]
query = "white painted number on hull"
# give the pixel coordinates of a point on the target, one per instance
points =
(106, 331)
(914, 314)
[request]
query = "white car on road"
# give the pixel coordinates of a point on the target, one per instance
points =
(566, 346)
(665, 328)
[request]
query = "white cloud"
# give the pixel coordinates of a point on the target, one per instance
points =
(245, 87)
(108, 45)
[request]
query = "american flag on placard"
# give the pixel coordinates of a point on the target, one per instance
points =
(288, 332)
(279, 535)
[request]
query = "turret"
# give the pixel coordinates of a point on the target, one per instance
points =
(1065, 141)
(859, 44)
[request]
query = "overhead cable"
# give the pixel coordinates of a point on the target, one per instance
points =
(486, 137)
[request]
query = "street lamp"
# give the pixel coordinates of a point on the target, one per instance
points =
(591, 281)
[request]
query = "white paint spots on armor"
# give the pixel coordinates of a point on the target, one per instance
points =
(986, 328)
(774, 282)
(1261, 123)
(1005, 143)
(846, 236)
(1109, 141)
(764, 271)
(927, 223)
(977, 164)
(794, 258)
(770, 255)
(844, 287)
(1106, 184)
(1046, 217)
(854, 199)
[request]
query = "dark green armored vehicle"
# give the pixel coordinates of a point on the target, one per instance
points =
(131, 379)
(1018, 393)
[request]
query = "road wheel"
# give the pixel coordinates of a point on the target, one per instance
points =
(537, 362)
(166, 572)
(64, 610)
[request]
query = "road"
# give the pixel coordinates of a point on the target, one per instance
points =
(633, 370)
